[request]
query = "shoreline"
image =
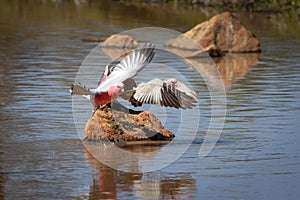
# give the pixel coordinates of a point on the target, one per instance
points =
(257, 6)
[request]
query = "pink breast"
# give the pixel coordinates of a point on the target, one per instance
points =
(102, 99)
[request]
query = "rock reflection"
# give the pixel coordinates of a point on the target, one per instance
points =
(113, 156)
(234, 66)
(230, 67)
(109, 183)
(115, 53)
(133, 157)
(106, 180)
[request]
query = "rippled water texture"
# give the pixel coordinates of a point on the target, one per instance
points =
(41, 156)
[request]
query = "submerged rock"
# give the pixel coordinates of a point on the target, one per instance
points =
(120, 41)
(96, 39)
(223, 32)
(120, 124)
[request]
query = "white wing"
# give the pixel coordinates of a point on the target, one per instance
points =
(149, 93)
(182, 87)
(128, 67)
(162, 93)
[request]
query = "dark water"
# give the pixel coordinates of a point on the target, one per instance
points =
(41, 49)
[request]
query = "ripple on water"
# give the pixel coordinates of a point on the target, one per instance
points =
(256, 155)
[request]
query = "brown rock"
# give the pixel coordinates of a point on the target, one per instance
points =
(223, 31)
(213, 51)
(116, 53)
(118, 125)
(120, 41)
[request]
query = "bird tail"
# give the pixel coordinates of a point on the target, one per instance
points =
(78, 89)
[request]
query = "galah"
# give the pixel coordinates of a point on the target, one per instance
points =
(117, 82)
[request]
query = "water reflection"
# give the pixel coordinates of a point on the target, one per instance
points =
(2, 181)
(40, 51)
(234, 66)
(109, 183)
(115, 53)
(231, 67)
(106, 180)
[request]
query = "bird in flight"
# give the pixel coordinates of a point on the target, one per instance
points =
(117, 82)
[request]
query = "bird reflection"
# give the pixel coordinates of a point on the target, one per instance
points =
(109, 183)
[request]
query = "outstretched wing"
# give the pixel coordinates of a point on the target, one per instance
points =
(161, 93)
(181, 87)
(108, 69)
(128, 67)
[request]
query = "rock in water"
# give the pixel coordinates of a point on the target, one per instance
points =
(120, 124)
(223, 32)
(96, 39)
(120, 41)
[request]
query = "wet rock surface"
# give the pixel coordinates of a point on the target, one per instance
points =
(120, 125)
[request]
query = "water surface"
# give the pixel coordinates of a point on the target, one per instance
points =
(41, 49)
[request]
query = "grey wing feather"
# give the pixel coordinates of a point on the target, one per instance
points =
(184, 100)
(127, 94)
(129, 86)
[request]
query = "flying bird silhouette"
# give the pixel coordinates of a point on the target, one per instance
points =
(117, 82)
